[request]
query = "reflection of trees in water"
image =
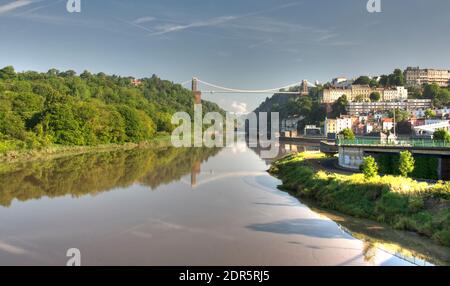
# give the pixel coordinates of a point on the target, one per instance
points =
(94, 173)
(369, 252)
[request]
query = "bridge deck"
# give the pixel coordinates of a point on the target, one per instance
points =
(412, 143)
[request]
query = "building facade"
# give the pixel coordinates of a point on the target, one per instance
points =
(394, 94)
(330, 95)
(416, 76)
(362, 93)
(368, 107)
(337, 125)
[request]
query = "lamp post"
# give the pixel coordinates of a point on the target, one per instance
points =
(395, 133)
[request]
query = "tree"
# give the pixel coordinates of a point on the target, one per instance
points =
(400, 115)
(138, 126)
(429, 113)
(415, 92)
(375, 96)
(439, 96)
(348, 134)
(441, 135)
(374, 83)
(340, 106)
(397, 78)
(384, 80)
(406, 163)
(369, 167)
(7, 73)
(364, 80)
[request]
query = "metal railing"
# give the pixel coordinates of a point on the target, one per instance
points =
(423, 143)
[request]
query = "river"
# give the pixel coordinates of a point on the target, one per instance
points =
(167, 206)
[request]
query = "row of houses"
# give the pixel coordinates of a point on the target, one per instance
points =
(412, 105)
(365, 125)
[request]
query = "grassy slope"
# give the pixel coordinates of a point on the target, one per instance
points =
(399, 202)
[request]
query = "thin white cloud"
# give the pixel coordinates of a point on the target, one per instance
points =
(343, 44)
(170, 28)
(143, 20)
(259, 44)
(239, 107)
(327, 37)
(11, 6)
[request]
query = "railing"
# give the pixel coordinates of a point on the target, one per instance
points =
(394, 142)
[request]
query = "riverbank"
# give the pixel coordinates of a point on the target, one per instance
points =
(401, 203)
(57, 151)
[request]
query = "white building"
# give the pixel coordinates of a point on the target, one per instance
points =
(431, 125)
(388, 124)
(338, 125)
(398, 93)
(330, 95)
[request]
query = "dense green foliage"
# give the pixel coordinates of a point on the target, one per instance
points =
(39, 109)
(441, 135)
(406, 163)
(429, 113)
(439, 95)
(348, 134)
(400, 115)
(340, 106)
(400, 202)
(396, 78)
(369, 167)
(425, 167)
(365, 80)
(375, 96)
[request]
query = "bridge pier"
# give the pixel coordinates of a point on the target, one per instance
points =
(350, 157)
(196, 92)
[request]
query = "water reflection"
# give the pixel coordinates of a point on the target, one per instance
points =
(236, 215)
(95, 173)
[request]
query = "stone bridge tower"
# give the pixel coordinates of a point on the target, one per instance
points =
(196, 92)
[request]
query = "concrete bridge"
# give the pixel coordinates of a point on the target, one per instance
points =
(352, 152)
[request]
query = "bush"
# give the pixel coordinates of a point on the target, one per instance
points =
(348, 134)
(442, 135)
(369, 167)
(406, 164)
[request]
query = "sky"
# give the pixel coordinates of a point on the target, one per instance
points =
(245, 44)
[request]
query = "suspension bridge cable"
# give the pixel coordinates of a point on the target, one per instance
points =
(247, 91)
(232, 90)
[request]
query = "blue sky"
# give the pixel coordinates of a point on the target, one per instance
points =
(252, 44)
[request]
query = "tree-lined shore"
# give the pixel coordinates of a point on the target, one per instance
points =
(44, 110)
